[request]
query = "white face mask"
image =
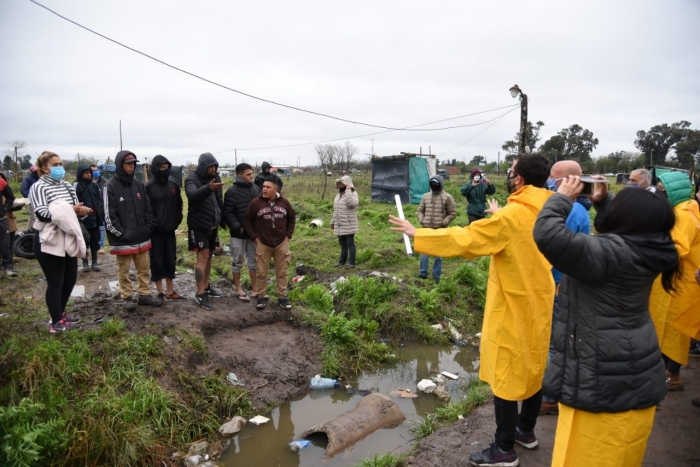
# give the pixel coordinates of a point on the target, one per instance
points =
(477, 178)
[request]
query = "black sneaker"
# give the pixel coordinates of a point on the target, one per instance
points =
(261, 303)
(212, 292)
(493, 456)
(526, 439)
(284, 303)
(202, 301)
(149, 300)
(96, 268)
(70, 318)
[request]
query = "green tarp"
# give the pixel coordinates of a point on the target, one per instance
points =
(418, 178)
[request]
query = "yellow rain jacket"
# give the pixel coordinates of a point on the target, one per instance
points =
(676, 316)
(520, 291)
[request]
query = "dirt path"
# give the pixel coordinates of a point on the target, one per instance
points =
(674, 442)
(273, 356)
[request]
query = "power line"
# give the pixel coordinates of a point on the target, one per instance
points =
(228, 88)
(308, 143)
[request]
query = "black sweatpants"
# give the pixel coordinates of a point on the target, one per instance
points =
(5, 244)
(672, 366)
(94, 243)
(162, 254)
(61, 273)
(507, 418)
(347, 249)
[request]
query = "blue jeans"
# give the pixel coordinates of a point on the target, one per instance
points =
(102, 236)
(437, 267)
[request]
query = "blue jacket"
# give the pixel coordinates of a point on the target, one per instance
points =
(577, 221)
(27, 183)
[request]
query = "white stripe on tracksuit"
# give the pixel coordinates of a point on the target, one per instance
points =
(108, 220)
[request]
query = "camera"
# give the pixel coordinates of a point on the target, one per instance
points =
(588, 182)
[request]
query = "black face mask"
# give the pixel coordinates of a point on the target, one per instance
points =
(163, 175)
(342, 190)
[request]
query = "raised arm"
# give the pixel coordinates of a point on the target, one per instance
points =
(586, 258)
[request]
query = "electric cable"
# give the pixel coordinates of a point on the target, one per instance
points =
(237, 91)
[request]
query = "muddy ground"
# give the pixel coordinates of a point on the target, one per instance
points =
(271, 353)
(674, 442)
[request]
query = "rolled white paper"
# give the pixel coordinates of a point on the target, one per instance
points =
(406, 240)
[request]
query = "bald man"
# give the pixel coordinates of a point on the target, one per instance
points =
(578, 221)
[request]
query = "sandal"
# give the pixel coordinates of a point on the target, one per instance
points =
(243, 297)
(174, 296)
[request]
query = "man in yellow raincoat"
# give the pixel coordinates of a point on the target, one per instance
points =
(519, 299)
(676, 316)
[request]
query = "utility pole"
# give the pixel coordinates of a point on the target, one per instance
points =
(498, 163)
(121, 146)
(515, 91)
(235, 156)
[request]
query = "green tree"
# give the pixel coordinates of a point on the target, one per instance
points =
(660, 139)
(26, 161)
(7, 162)
(533, 136)
(477, 161)
(573, 143)
(688, 149)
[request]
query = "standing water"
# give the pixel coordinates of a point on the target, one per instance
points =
(268, 445)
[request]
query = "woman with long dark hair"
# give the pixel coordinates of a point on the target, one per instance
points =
(606, 368)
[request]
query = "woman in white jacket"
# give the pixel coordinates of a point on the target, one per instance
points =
(57, 246)
(344, 220)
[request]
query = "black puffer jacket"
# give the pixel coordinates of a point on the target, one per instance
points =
(605, 355)
(89, 194)
(204, 211)
(236, 202)
(165, 197)
(128, 215)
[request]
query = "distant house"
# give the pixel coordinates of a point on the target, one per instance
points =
(451, 169)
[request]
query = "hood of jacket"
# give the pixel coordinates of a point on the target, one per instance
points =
(206, 160)
(531, 196)
(119, 162)
(156, 173)
(265, 166)
(656, 251)
(678, 187)
(79, 174)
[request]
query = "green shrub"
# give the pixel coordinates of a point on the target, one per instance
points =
(29, 436)
(385, 460)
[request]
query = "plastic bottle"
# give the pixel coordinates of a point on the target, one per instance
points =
(318, 382)
(299, 444)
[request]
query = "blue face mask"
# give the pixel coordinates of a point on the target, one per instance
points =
(95, 174)
(551, 184)
(57, 172)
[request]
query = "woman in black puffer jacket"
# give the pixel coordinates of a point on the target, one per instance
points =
(605, 365)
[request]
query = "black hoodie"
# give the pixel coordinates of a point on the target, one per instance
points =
(165, 197)
(128, 215)
(204, 210)
(265, 174)
(89, 194)
(236, 202)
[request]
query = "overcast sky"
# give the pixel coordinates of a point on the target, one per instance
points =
(613, 67)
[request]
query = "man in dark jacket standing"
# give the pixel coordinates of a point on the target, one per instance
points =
(236, 202)
(128, 218)
(203, 190)
(27, 183)
(475, 190)
(267, 173)
(89, 194)
(7, 198)
(166, 202)
(270, 223)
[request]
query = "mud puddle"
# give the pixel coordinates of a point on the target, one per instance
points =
(267, 445)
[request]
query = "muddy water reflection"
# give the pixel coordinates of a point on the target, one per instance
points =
(267, 445)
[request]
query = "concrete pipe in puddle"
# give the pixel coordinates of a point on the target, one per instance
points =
(371, 413)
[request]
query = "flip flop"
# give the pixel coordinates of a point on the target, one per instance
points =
(174, 296)
(243, 297)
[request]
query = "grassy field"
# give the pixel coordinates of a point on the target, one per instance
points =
(94, 397)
